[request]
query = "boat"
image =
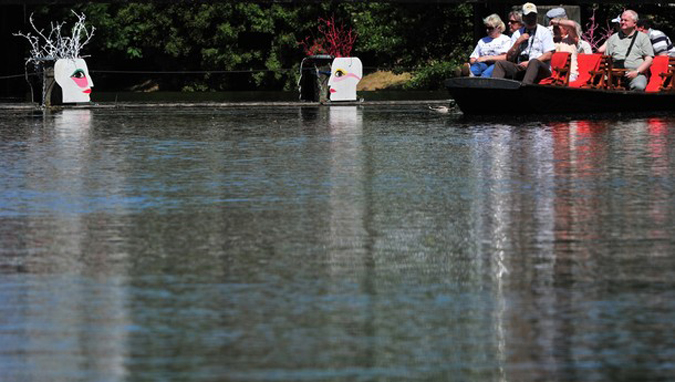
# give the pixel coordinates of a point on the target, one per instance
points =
(487, 96)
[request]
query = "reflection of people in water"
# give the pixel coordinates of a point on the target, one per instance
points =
(72, 75)
(346, 72)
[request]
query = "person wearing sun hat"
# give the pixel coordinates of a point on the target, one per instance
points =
(565, 37)
(557, 19)
(528, 59)
(555, 13)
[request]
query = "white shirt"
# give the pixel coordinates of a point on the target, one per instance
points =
(540, 43)
(584, 47)
(488, 46)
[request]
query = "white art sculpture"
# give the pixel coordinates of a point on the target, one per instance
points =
(346, 72)
(72, 76)
(70, 70)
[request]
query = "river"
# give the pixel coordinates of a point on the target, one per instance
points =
(344, 243)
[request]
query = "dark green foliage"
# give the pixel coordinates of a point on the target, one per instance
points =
(258, 41)
(432, 75)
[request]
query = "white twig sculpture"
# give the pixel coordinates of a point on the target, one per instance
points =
(55, 45)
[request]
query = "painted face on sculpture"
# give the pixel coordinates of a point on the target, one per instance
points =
(73, 77)
(346, 72)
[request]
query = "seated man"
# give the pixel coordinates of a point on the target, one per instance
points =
(660, 42)
(531, 50)
(632, 50)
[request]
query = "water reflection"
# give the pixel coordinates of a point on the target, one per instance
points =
(511, 204)
(602, 225)
(53, 326)
(334, 243)
(57, 195)
(63, 329)
(347, 199)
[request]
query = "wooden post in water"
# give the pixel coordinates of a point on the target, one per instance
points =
(47, 83)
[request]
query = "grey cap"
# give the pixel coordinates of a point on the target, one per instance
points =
(556, 13)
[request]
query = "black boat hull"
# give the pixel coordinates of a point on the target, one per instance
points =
(485, 96)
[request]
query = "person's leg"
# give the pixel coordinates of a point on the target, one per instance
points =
(638, 83)
(488, 71)
(504, 69)
(536, 71)
(478, 68)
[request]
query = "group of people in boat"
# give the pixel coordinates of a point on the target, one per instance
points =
(526, 54)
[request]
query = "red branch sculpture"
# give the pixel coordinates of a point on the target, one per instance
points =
(594, 35)
(335, 40)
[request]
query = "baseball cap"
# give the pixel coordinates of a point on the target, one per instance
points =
(617, 19)
(529, 8)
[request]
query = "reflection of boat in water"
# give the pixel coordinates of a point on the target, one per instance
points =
(476, 95)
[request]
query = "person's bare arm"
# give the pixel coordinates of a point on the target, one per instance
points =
(545, 57)
(571, 25)
(500, 57)
(642, 69)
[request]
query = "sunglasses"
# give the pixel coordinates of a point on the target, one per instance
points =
(514, 22)
(489, 28)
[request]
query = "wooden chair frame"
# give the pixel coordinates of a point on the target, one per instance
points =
(667, 78)
(616, 77)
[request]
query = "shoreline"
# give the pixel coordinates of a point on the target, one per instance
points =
(127, 105)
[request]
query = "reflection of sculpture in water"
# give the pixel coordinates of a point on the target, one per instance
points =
(348, 238)
(72, 75)
(345, 118)
(346, 72)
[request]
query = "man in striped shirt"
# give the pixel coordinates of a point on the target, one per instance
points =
(661, 43)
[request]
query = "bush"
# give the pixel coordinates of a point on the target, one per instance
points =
(432, 76)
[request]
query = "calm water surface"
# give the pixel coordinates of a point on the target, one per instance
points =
(370, 243)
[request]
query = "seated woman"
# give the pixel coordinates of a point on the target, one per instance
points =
(515, 21)
(490, 48)
(566, 36)
(572, 30)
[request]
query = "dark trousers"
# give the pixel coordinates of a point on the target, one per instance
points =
(535, 71)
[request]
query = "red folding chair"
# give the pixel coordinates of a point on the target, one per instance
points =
(659, 71)
(560, 70)
(590, 73)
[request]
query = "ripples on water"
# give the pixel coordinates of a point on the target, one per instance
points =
(334, 244)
